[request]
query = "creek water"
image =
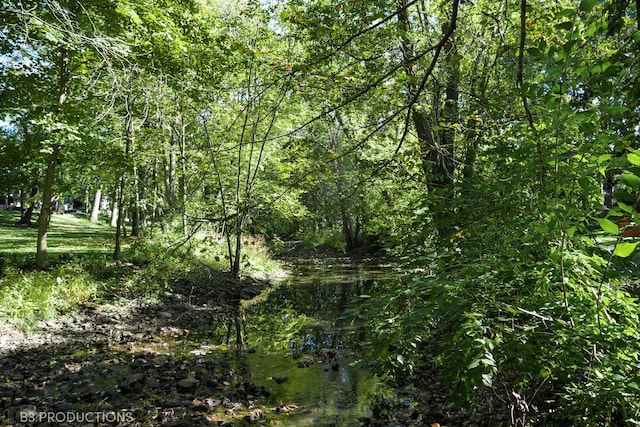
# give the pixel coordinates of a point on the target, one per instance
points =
(305, 340)
(306, 329)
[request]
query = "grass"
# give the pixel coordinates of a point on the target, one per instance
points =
(82, 269)
(74, 244)
(67, 234)
(210, 248)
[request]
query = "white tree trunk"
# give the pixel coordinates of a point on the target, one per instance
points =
(96, 206)
(114, 214)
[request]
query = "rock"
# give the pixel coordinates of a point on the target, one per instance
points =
(132, 384)
(237, 406)
(187, 385)
(254, 416)
(209, 381)
(304, 364)
(284, 409)
(200, 407)
(280, 380)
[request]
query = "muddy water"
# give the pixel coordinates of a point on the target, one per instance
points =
(306, 329)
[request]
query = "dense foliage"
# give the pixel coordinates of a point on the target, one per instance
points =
(488, 145)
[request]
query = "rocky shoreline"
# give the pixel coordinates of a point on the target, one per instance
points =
(133, 363)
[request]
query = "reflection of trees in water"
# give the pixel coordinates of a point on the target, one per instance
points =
(314, 309)
(231, 323)
(311, 318)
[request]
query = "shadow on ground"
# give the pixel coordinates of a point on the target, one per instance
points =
(155, 362)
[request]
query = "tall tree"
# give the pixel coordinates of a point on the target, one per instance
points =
(66, 41)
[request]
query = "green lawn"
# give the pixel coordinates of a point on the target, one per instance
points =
(79, 252)
(82, 268)
(68, 234)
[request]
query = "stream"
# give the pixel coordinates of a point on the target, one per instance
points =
(304, 341)
(304, 329)
(173, 361)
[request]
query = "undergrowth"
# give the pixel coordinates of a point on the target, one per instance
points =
(87, 274)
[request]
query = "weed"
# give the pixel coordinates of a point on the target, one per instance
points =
(84, 272)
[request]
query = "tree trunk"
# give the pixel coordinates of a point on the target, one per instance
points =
(119, 220)
(170, 173)
(128, 138)
(45, 212)
(178, 135)
(155, 209)
(115, 211)
(182, 181)
(135, 204)
(22, 202)
(25, 219)
(347, 229)
(27, 214)
(135, 218)
(52, 159)
(95, 211)
(436, 147)
(235, 268)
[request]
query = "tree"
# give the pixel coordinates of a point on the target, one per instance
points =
(63, 42)
(256, 101)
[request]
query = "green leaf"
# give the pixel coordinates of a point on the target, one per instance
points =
(487, 379)
(603, 158)
(535, 52)
(616, 109)
(548, 227)
(625, 249)
(564, 13)
(608, 226)
(634, 159)
(128, 12)
(612, 71)
(567, 25)
(633, 385)
(591, 30)
(588, 5)
(624, 196)
(625, 208)
(631, 180)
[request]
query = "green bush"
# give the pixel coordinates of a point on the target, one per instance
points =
(562, 339)
(27, 297)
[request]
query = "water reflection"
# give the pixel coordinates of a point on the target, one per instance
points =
(307, 330)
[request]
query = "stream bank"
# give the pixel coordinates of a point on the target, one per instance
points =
(172, 360)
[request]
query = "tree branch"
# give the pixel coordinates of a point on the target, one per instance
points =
(523, 36)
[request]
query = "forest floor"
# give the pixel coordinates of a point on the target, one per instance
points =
(112, 362)
(149, 359)
(128, 363)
